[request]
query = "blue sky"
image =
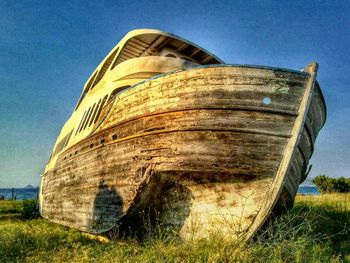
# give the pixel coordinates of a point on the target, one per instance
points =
(49, 48)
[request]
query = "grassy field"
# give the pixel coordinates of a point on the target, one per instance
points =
(9, 209)
(315, 230)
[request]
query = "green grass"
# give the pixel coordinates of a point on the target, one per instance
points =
(333, 219)
(315, 230)
(10, 208)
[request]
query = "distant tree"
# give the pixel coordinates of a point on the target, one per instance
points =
(327, 184)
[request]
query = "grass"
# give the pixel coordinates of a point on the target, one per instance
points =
(333, 220)
(315, 230)
(10, 208)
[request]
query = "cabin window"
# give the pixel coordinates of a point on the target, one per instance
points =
(100, 108)
(63, 143)
(86, 119)
(116, 91)
(105, 67)
(90, 117)
(88, 86)
(94, 114)
(86, 89)
(116, 61)
(81, 122)
(80, 100)
(67, 138)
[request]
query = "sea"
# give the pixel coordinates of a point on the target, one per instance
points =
(32, 193)
(19, 193)
(308, 190)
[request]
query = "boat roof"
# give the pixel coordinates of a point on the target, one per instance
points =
(148, 42)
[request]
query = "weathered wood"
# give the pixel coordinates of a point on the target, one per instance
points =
(278, 185)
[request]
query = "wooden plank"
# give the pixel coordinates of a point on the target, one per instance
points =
(139, 42)
(275, 190)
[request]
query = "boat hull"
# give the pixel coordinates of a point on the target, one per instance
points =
(204, 147)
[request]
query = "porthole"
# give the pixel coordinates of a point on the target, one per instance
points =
(267, 101)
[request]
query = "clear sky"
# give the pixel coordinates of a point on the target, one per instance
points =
(49, 48)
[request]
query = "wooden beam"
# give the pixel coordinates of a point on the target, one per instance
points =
(278, 183)
(182, 47)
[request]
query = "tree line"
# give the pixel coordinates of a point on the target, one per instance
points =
(327, 184)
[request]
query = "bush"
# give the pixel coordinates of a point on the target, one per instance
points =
(326, 184)
(30, 209)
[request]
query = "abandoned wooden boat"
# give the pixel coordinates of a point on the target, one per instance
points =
(164, 124)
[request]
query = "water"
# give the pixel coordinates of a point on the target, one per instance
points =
(308, 190)
(20, 193)
(31, 193)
